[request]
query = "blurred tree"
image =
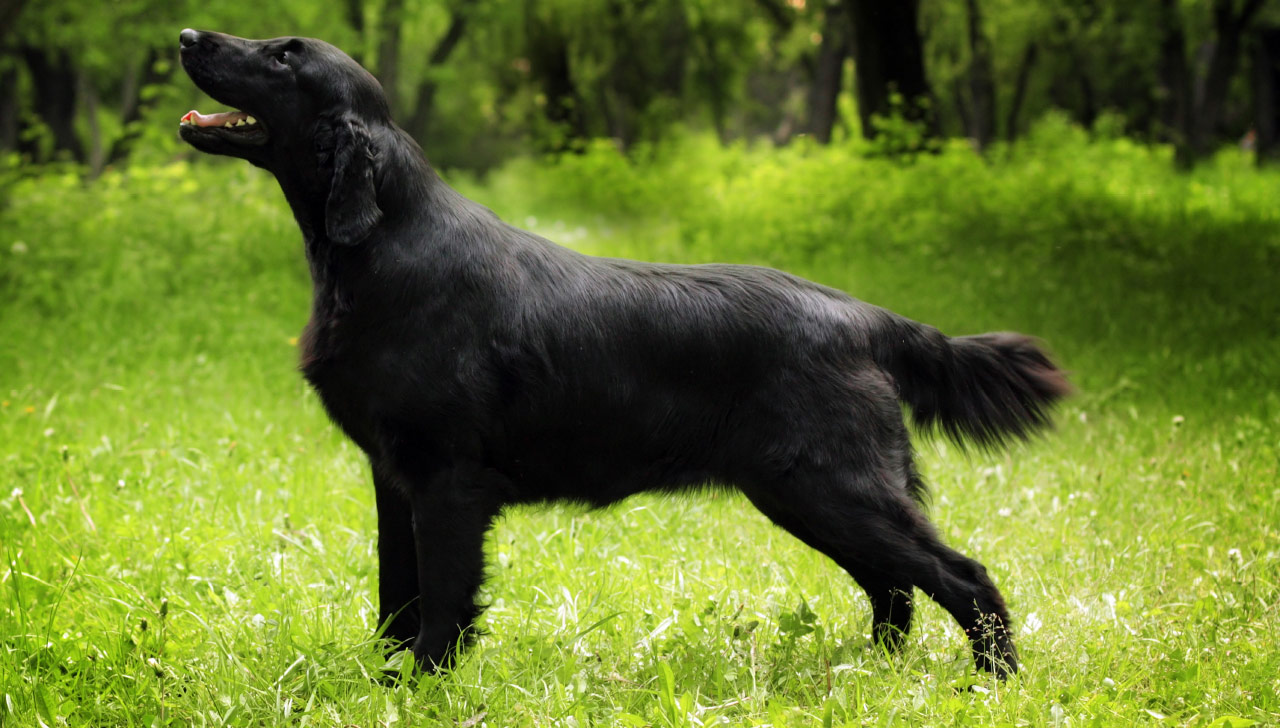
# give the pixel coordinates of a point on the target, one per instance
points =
(138, 95)
(479, 80)
(1174, 75)
(550, 65)
(719, 58)
(390, 20)
(982, 88)
(355, 12)
(419, 120)
(1029, 55)
(1266, 80)
(889, 62)
(1230, 20)
(836, 45)
(53, 81)
(770, 65)
(1194, 93)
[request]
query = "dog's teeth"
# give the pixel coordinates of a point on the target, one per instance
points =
(250, 120)
(227, 125)
(240, 122)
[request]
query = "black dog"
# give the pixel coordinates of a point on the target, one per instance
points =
(478, 365)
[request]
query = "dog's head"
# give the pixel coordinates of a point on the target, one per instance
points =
(303, 110)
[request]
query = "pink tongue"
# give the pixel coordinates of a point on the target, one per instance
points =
(199, 119)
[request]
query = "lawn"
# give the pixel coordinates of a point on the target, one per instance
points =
(188, 541)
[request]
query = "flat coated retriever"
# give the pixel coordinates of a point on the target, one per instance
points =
(478, 365)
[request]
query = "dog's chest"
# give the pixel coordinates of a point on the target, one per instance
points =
(372, 374)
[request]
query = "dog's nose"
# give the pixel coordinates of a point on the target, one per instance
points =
(188, 37)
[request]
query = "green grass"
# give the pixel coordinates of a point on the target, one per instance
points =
(187, 541)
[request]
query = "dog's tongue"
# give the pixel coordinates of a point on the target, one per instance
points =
(226, 117)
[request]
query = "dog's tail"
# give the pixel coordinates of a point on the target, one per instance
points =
(986, 389)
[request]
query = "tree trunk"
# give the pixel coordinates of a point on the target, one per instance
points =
(1020, 90)
(87, 96)
(1266, 74)
(961, 95)
(712, 80)
(1174, 78)
(389, 52)
(420, 120)
(55, 99)
(633, 84)
(717, 93)
(889, 61)
(982, 86)
(1224, 60)
(828, 74)
(1088, 99)
(135, 102)
(355, 18)
(8, 108)
(548, 51)
(9, 12)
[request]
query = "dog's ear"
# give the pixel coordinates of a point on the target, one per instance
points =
(351, 210)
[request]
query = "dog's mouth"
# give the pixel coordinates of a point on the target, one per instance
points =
(234, 126)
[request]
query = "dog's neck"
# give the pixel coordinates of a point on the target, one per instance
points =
(408, 190)
(302, 193)
(407, 193)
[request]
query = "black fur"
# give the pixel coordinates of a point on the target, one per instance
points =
(478, 365)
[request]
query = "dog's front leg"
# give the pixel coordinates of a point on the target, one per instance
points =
(451, 513)
(397, 560)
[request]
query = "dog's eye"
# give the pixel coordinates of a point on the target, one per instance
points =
(281, 58)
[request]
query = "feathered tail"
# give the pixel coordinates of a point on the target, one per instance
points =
(986, 389)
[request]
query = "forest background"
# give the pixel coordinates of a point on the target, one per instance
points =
(480, 81)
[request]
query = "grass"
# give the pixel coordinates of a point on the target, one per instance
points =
(187, 541)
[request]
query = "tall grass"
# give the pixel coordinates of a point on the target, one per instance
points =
(187, 541)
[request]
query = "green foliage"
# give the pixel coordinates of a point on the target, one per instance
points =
(897, 135)
(185, 539)
(635, 72)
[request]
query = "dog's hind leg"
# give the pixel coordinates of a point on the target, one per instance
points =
(958, 583)
(963, 587)
(890, 593)
(879, 535)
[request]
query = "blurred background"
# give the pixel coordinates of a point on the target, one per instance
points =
(480, 81)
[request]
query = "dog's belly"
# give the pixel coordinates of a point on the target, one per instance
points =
(602, 462)
(598, 446)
